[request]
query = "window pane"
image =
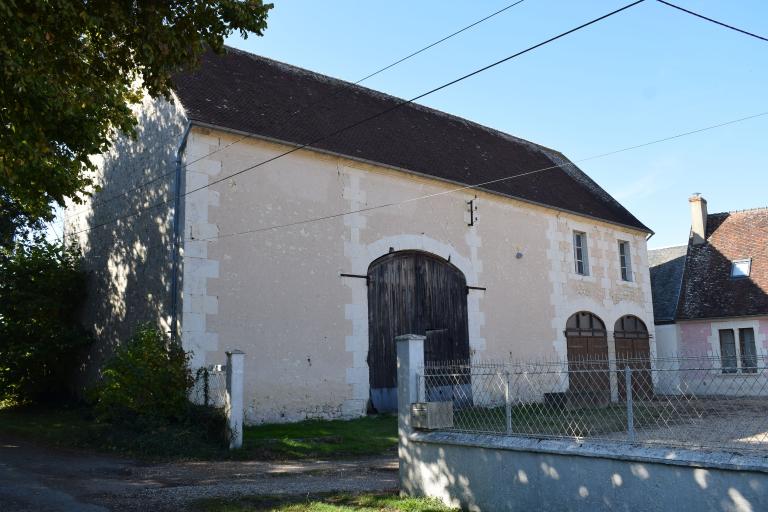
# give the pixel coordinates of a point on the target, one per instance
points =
(580, 252)
(740, 268)
(624, 262)
(727, 351)
(748, 352)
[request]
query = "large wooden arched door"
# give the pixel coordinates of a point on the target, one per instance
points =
(587, 346)
(413, 292)
(633, 349)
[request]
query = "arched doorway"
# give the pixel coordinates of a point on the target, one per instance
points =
(418, 293)
(587, 347)
(633, 349)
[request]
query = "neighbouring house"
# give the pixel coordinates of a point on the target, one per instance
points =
(216, 223)
(711, 297)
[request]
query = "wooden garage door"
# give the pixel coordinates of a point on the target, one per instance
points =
(411, 292)
(633, 350)
(587, 345)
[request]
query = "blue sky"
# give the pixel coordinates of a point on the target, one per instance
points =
(644, 74)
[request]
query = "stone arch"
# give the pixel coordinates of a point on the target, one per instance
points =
(587, 349)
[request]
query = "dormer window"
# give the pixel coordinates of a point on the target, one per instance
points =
(740, 268)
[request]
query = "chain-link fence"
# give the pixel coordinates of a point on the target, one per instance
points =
(210, 386)
(691, 402)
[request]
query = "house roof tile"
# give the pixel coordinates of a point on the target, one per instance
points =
(708, 290)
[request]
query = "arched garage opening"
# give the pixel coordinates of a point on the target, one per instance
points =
(587, 348)
(633, 349)
(413, 292)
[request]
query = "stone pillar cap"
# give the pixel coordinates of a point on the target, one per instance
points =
(404, 337)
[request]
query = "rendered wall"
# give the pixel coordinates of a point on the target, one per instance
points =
(667, 340)
(257, 278)
(702, 337)
(125, 234)
(507, 474)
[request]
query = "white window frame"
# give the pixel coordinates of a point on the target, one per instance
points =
(584, 259)
(625, 261)
(741, 275)
(740, 366)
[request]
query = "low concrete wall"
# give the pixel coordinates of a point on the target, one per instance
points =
(490, 473)
(504, 473)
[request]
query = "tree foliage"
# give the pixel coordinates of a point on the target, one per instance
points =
(70, 70)
(41, 290)
(148, 379)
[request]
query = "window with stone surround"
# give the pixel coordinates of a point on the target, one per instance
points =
(625, 261)
(580, 256)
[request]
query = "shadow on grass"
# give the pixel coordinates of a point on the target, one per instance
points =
(76, 427)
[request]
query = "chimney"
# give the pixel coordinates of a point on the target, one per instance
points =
(698, 218)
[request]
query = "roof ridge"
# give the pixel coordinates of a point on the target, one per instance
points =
(743, 210)
(669, 247)
(396, 98)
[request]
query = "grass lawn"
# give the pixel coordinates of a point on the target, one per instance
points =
(371, 435)
(328, 503)
(75, 427)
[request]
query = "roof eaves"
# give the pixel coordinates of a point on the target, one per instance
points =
(203, 124)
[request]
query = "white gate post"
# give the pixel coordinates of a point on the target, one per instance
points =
(410, 358)
(235, 366)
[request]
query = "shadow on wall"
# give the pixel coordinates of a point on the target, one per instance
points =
(487, 479)
(127, 251)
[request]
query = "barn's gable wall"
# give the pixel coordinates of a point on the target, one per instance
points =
(274, 290)
(125, 231)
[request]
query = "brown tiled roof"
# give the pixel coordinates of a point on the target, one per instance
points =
(708, 291)
(255, 95)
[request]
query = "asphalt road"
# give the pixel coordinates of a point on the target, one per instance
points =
(42, 479)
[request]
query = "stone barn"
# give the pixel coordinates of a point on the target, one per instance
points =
(246, 215)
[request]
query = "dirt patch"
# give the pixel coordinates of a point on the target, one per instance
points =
(71, 480)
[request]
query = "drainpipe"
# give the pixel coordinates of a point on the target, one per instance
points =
(176, 235)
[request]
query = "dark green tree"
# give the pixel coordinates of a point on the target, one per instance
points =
(41, 290)
(69, 70)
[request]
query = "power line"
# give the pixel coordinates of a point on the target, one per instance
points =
(712, 20)
(399, 104)
(371, 75)
(485, 183)
(478, 185)
(464, 29)
(318, 102)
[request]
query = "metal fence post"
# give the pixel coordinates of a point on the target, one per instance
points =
(630, 409)
(508, 402)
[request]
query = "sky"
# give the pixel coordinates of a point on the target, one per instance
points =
(647, 73)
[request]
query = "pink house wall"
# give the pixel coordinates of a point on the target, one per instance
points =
(694, 336)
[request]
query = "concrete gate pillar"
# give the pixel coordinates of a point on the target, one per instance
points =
(235, 384)
(410, 359)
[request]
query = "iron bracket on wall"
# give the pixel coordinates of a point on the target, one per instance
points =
(357, 276)
(472, 206)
